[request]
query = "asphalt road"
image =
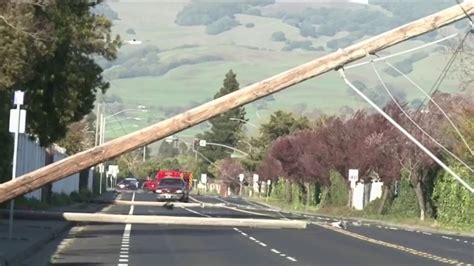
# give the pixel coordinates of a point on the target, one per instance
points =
(118, 244)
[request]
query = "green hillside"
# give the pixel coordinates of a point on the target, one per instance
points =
(178, 67)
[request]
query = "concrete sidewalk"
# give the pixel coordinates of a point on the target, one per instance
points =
(30, 235)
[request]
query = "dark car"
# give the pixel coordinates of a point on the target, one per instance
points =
(172, 189)
(128, 184)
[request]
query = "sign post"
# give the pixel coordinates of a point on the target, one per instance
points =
(255, 184)
(353, 178)
(17, 125)
(241, 178)
(269, 182)
(204, 181)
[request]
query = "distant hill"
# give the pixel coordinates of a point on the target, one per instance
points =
(187, 47)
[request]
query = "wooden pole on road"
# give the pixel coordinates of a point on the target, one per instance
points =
(91, 157)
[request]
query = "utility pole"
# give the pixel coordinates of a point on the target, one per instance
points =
(317, 67)
(101, 141)
(97, 125)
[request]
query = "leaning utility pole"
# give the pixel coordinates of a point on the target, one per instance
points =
(91, 157)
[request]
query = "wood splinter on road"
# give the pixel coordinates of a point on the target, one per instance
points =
(114, 148)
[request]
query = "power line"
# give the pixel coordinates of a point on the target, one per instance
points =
(465, 13)
(435, 103)
(445, 70)
(405, 132)
(415, 123)
(403, 52)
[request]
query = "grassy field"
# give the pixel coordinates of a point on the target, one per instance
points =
(251, 54)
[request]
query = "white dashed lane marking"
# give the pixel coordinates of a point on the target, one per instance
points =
(125, 245)
(265, 245)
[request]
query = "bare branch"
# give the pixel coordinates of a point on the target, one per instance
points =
(16, 28)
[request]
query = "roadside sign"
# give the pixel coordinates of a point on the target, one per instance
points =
(113, 170)
(204, 178)
(269, 182)
(14, 121)
(202, 143)
(353, 174)
(241, 177)
(101, 168)
(255, 178)
(18, 99)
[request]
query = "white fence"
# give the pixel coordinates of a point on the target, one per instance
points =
(31, 156)
(365, 193)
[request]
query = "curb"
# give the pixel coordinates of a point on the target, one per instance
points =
(375, 222)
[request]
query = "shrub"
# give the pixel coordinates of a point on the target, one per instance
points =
(455, 204)
(278, 36)
(277, 189)
(405, 204)
(338, 192)
(29, 203)
(292, 45)
(296, 196)
(373, 206)
(60, 199)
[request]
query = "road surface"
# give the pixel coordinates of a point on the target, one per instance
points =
(360, 244)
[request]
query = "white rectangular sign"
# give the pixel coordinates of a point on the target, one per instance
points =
(18, 99)
(204, 178)
(202, 143)
(255, 178)
(353, 174)
(241, 177)
(13, 126)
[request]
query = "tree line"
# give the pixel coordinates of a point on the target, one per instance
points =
(310, 157)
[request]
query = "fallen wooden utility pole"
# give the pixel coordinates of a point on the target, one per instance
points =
(162, 220)
(91, 157)
(160, 204)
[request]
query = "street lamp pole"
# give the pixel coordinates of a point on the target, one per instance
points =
(18, 101)
(97, 124)
(101, 141)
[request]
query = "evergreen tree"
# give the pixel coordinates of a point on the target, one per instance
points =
(224, 130)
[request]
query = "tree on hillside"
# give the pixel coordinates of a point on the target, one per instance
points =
(278, 36)
(224, 130)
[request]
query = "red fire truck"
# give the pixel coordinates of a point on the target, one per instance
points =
(187, 177)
